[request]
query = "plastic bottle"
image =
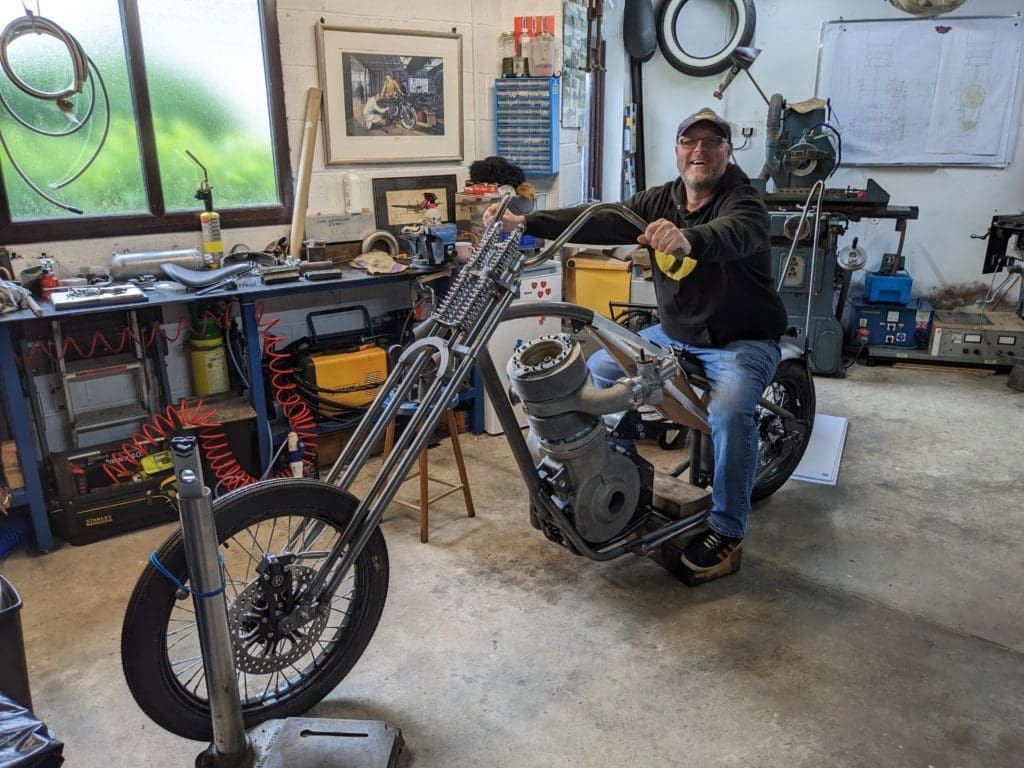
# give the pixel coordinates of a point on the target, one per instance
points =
(542, 53)
(353, 193)
(525, 44)
(507, 51)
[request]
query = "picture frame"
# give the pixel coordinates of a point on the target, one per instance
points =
(574, 63)
(399, 202)
(390, 96)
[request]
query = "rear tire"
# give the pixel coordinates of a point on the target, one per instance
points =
(782, 447)
(159, 643)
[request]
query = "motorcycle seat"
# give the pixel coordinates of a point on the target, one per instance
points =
(194, 278)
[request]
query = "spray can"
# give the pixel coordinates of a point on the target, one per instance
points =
(209, 219)
(49, 280)
(213, 246)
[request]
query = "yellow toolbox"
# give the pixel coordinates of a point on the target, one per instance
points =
(594, 281)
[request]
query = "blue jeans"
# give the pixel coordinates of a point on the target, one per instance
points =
(738, 373)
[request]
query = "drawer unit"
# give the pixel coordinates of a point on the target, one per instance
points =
(527, 113)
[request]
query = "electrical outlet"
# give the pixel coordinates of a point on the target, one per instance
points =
(747, 130)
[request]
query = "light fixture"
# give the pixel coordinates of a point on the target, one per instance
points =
(926, 7)
(741, 59)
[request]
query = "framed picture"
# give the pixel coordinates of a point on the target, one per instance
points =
(390, 96)
(402, 201)
(574, 63)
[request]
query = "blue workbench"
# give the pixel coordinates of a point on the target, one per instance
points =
(18, 418)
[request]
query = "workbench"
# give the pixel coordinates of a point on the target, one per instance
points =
(19, 420)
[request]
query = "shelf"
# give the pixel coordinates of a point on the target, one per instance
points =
(98, 367)
(109, 417)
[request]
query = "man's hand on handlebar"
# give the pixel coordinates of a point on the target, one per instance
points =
(663, 235)
(508, 222)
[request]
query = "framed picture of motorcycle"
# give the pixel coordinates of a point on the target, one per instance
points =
(390, 96)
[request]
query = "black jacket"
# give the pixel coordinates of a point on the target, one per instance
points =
(724, 291)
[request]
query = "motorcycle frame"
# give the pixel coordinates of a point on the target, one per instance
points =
(441, 367)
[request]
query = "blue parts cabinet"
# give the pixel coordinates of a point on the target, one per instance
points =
(527, 113)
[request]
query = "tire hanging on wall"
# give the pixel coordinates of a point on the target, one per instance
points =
(701, 66)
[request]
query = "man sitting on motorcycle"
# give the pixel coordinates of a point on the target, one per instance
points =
(719, 303)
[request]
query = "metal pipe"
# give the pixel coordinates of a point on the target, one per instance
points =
(125, 265)
(433, 403)
(819, 185)
(627, 213)
(199, 537)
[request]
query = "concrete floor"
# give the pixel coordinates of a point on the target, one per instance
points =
(876, 623)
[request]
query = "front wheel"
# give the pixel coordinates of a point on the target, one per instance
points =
(296, 522)
(407, 117)
(783, 440)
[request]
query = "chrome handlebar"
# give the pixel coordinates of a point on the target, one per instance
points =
(627, 213)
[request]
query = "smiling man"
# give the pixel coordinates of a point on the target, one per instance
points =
(718, 303)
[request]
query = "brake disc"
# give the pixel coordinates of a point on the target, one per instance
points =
(258, 645)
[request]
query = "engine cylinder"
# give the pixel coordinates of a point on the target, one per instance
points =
(603, 486)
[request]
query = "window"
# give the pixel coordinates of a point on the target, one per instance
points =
(165, 80)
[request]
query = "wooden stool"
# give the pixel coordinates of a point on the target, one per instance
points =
(425, 499)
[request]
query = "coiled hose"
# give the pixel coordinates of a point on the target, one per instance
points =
(12, 534)
(80, 65)
(212, 438)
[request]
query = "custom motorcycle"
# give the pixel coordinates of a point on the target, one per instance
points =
(305, 563)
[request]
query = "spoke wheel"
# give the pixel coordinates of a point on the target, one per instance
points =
(781, 445)
(407, 116)
(282, 671)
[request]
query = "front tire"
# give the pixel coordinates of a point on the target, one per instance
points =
(782, 444)
(277, 679)
(407, 117)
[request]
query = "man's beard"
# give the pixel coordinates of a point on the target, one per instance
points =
(704, 184)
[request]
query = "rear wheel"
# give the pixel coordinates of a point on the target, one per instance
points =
(783, 440)
(279, 674)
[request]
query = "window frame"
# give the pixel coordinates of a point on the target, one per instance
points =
(158, 220)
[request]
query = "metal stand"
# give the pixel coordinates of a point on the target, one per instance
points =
(293, 742)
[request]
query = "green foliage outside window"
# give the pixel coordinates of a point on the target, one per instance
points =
(194, 106)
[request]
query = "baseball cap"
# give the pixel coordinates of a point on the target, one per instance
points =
(706, 115)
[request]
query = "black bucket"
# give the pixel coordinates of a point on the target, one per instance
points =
(14, 670)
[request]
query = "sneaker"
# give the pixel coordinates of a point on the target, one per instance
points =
(708, 551)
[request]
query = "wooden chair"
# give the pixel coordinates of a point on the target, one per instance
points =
(426, 499)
